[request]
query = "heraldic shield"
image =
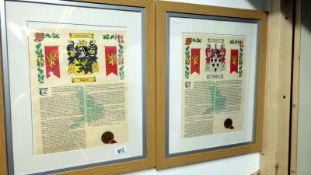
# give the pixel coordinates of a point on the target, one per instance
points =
(82, 57)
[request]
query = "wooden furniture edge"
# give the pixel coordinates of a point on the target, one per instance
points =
(295, 88)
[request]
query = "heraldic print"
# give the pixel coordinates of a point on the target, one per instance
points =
(114, 61)
(82, 57)
(81, 54)
(236, 60)
(192, 63)
(51, 60)
(215, 56)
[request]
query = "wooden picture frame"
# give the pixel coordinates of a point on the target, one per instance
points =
(166, 10)
(146, 11)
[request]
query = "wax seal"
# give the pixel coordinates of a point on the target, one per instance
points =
(228, 123)
(108, 138)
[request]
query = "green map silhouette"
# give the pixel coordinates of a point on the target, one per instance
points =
(218, 100)
(94, 110)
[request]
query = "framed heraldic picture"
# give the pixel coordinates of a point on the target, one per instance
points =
(78, 86)
(210, 82)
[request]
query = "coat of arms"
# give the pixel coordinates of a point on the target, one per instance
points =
(215, 58)
(82, 57)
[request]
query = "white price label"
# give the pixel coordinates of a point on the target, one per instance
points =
(120, 150)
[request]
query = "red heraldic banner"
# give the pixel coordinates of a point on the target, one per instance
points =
(195, 61)
(234, 61)
(111, 60)
(52, 61)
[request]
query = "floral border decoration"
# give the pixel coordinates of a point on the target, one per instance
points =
(188, 41)
(241, 53)
(39, 37)
(120, 40)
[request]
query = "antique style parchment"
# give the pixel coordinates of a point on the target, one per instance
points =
(213, 83)
(79, 89)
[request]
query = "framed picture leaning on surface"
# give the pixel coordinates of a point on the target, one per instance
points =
(210, 82)
(76, 80)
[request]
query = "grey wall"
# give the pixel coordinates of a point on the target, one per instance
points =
(304, 121)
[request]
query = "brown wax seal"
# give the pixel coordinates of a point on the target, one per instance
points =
(108, 137)
(228, 123)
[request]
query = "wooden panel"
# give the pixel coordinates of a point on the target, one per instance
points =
(162, 8)
(275, 153)
(208, 10)
(295, 89)
(124, 167)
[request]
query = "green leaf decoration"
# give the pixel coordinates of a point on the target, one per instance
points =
(196, 40)
(52, 35)
(40, 71)
(187, 60)
(241, 63)
(40, 61)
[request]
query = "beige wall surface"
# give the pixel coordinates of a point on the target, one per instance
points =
(244, 4)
